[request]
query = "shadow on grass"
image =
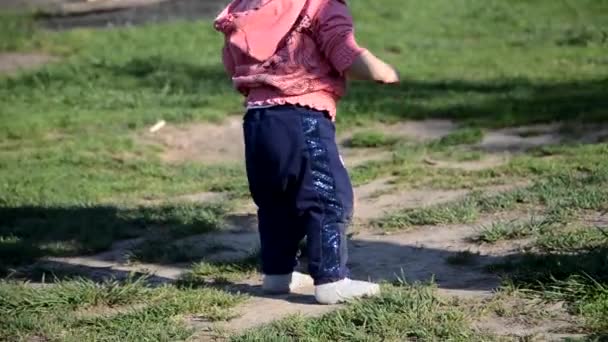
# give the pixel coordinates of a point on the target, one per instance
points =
(29, 233)
(377, 261)
(173, 76)
(491, 103)
(495, 103)
(534, 270)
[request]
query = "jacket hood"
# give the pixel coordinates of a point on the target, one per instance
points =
(257, 27)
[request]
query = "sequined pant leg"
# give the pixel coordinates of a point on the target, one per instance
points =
(325, 199)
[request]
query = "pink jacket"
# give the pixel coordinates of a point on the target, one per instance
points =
(288, 51)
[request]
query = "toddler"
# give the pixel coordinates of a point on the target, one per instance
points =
(290, 60)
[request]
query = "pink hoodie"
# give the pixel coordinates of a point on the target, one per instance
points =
(288, 51)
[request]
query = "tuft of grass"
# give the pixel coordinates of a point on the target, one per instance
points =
(569, 241)
(511, 230)
(367, 172)
(206, 272)
(462, 211)
(400, 313)
(372, 139)
(462, 136)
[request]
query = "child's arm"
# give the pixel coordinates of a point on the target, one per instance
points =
(337, 41)
(367, 67)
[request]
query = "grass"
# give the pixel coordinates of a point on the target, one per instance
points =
(465, 136)
(401, 313)
(578, 279)
(149, 313)
(371, 139)
(16, 31)
(219, 272)
(510, 230)
(463, 211)
(562, 193)
(581, 238)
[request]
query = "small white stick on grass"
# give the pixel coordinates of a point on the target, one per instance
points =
(160, 124)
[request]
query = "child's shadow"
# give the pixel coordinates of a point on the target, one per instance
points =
(305, 296)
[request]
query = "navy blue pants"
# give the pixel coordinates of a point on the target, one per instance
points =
(302, 189)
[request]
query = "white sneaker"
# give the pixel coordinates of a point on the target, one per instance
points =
(345, 290)
(281, 284)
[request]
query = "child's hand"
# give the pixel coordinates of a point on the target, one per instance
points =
(392, 76)
(369, 67)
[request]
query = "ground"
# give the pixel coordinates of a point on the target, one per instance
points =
(481, 181)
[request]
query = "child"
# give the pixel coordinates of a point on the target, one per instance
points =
(290, 59)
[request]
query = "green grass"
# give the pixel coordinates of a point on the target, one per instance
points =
(466, 136)
(581, 238)
(149, 313)
(510, 230)
(218, 272)
(16, 31)
(371, 139)
(464, 211)
(401, 313)
(562, 192)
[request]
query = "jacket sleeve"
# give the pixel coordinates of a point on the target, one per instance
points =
(335, 34)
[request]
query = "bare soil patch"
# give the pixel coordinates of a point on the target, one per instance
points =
(519, 139)
(223, 142)
(422, 130)
(200, 142)
(13, 62)
(486, 162)
(375, 199)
